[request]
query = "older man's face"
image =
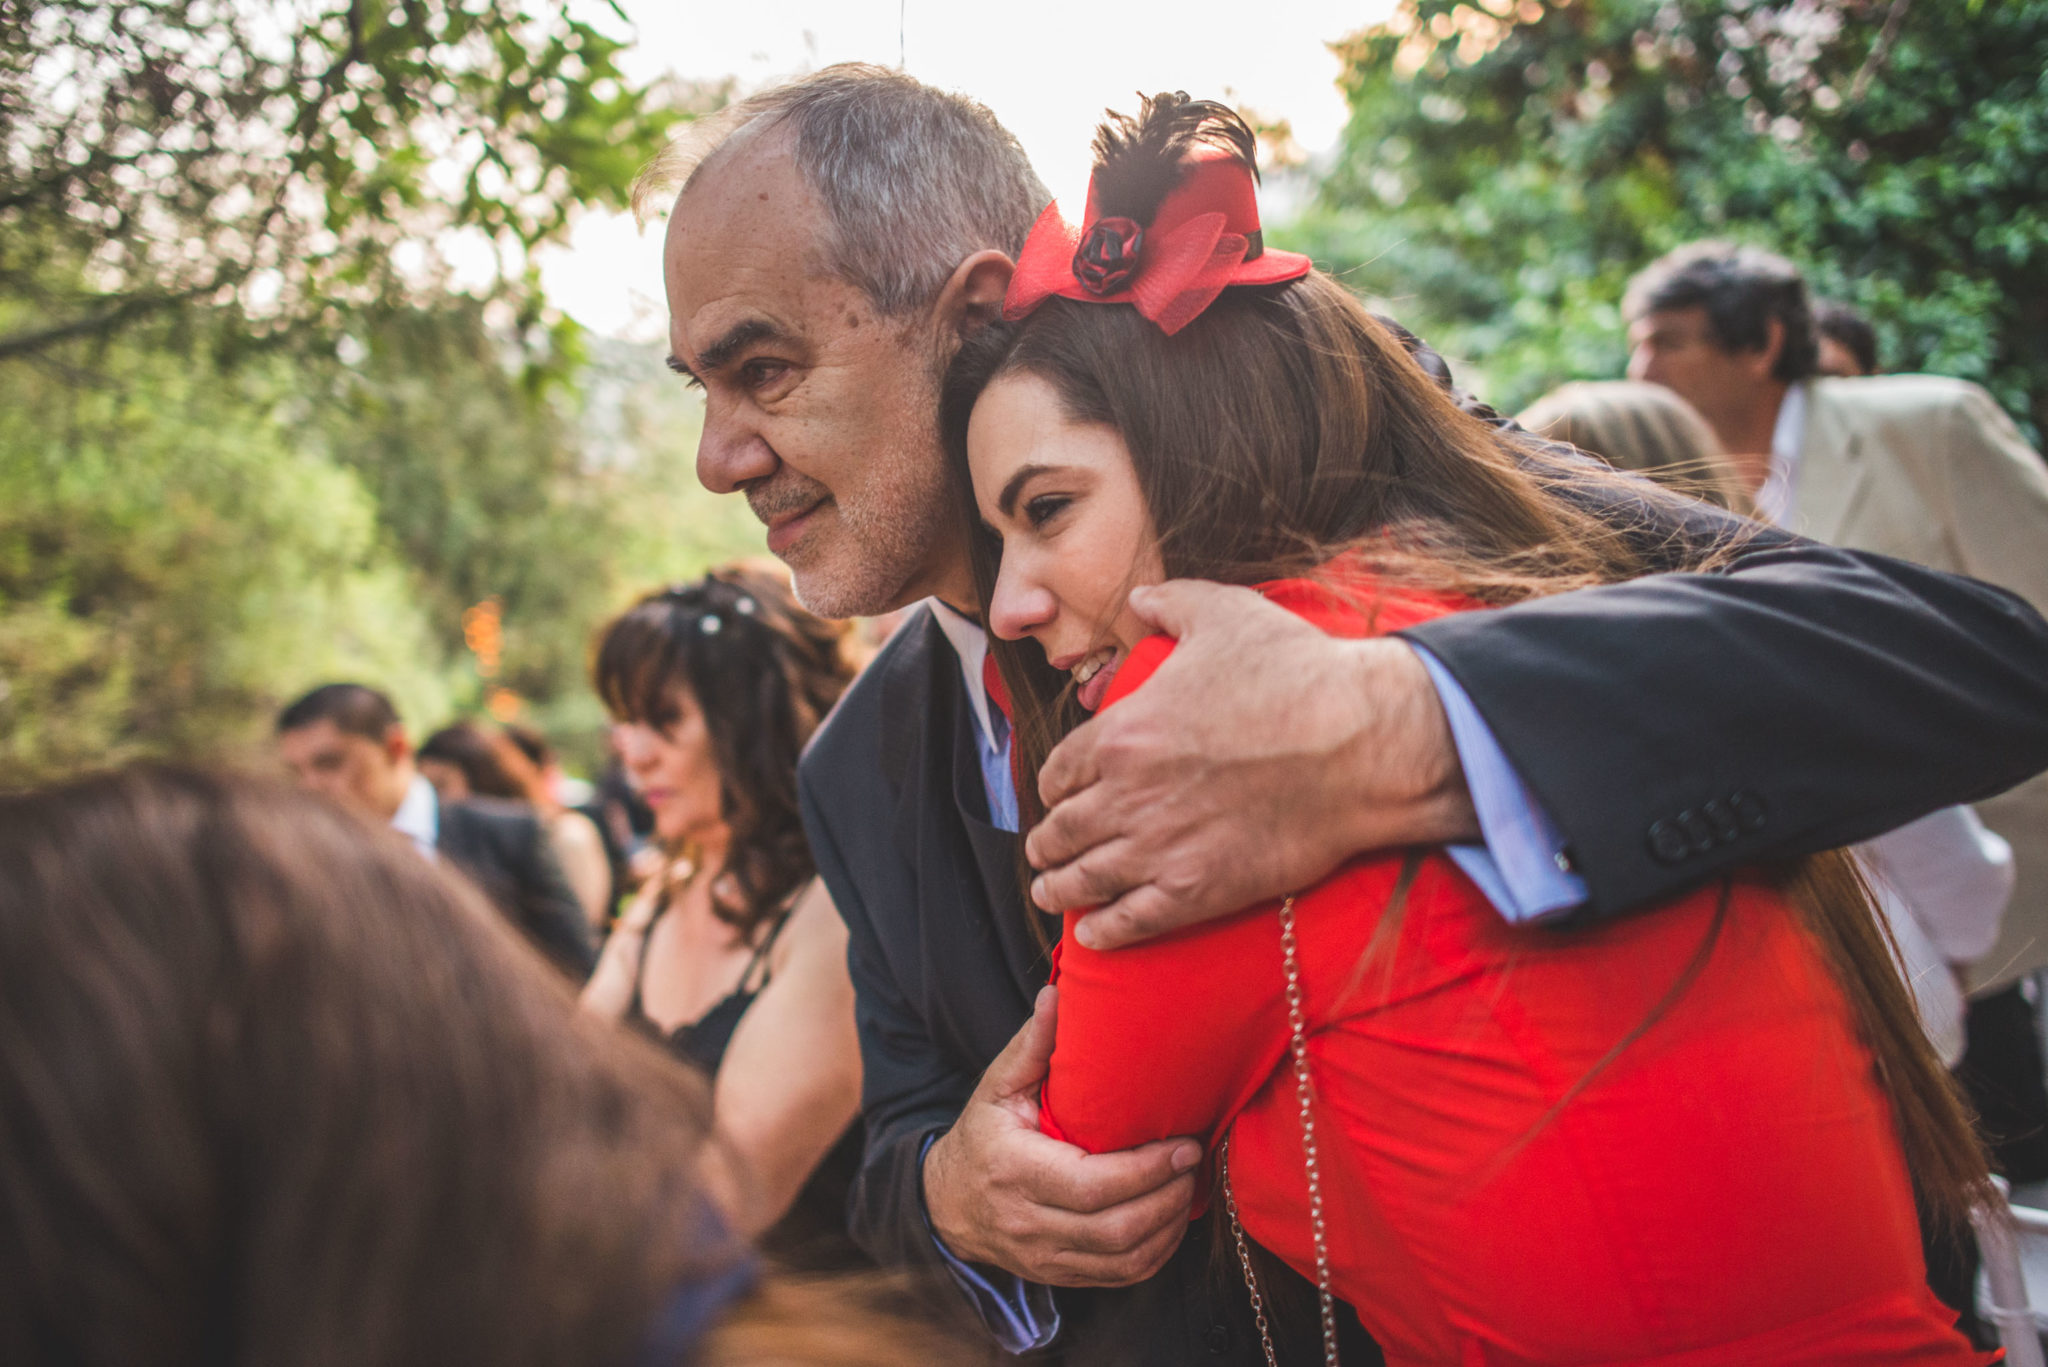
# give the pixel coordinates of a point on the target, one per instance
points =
(820, 410)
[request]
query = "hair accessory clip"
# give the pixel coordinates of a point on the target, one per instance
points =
(745, 607)
(710, 624)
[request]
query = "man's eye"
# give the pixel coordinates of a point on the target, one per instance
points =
(1044, 508)
(758, 373)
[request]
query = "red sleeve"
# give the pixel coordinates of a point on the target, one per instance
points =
(1171, 1037)
(1166, 1038)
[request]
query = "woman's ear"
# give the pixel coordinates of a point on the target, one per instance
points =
(973, 294)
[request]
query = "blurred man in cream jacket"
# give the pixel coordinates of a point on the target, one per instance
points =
(1921, 467)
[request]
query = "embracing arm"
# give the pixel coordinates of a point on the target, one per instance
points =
(1804, 698)
(1813, 696)
(789, 1084)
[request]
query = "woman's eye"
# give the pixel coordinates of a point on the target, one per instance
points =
(1044, 508)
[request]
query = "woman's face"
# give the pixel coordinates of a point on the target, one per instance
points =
(1077, 537)
(675, 772)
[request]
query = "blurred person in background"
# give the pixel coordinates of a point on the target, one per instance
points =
(321, 1106)
(470, 760)
(1920, 467)
(733, 955)
(1644, 427)
(345, 741)
(1847, 341)
(1943, 881)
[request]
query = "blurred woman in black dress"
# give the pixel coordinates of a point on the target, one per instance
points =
(733, 955)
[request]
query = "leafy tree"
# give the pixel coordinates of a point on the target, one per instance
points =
(1510, 163)
(256, 437)
(173, 563)
(289, 161)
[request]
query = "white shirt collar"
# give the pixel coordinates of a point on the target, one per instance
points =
(418, 817)
(970, 643)
(1775, 502)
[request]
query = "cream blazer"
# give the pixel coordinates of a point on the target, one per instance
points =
(1930, 469)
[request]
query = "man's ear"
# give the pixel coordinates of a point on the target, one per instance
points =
(973, 295)
(1764, 361)
(397, 745)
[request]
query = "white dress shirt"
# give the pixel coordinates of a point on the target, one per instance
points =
(418, 817)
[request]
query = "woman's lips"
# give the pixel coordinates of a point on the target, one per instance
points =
(1096, 689)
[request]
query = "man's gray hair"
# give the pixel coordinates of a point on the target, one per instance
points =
(914, 180)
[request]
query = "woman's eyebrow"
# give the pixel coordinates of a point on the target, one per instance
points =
(1007, 500)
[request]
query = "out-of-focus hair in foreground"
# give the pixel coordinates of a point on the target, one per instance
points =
(275, 1090)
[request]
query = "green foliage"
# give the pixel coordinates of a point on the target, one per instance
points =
(1507, 168)
(254, 438)
(271, 160)
(173, 563)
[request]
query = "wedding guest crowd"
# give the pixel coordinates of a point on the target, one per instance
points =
(1516, 911)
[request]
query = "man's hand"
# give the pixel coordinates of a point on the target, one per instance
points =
(1260, 756)
(1000, 1192)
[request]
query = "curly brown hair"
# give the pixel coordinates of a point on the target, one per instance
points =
(765, 672)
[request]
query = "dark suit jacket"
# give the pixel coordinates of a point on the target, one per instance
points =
(504, 849)
(1814, 696)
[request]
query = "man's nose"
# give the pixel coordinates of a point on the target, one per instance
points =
(731, 453)
(1642, 363)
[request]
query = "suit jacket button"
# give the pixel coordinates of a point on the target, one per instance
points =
(1218, 1339)
(1697, 830)
(1668, 843)
(1726, 827)
(1748, 809)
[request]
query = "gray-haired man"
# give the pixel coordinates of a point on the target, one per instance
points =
(832, 243)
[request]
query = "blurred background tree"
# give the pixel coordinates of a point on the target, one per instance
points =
(283, 398)
(1510, 163)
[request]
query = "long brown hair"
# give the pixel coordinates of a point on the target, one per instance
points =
(274, 1089)
(765, 672)
(1284, 426)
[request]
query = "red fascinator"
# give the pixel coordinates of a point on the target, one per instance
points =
(1172, 221)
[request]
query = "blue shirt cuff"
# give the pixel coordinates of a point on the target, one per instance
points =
(1523, 867)
(1020, 1314)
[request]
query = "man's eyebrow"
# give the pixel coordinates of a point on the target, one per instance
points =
(675, 363)
(1007, 500)
(736, 338)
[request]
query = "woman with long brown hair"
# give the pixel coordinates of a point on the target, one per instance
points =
(274, 1090)
(734, 955)
(1694, 1136)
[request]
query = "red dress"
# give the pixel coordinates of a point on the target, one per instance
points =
(1728, 1190)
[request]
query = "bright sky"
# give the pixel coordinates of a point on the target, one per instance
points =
(1047, 76)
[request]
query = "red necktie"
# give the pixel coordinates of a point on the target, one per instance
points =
(992, 680)
(999, 698)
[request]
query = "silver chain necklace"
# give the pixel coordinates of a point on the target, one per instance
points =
(1298, 1046)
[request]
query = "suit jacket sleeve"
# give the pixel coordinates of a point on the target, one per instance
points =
(548, 907)
(1799, 698)
(909, 1090)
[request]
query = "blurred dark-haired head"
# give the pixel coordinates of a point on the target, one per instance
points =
(1745, 296)
(465, 760)
(1848, 343)
(715, 686)
(345, 742)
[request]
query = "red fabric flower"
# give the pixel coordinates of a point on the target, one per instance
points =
(1108, 256)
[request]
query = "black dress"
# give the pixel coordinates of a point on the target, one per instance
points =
(812, 1236)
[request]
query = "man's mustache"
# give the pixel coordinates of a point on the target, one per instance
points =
(784, 493)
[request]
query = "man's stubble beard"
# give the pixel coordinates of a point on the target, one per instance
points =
(893, 533)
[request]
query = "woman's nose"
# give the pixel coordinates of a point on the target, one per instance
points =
(1018, 606)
